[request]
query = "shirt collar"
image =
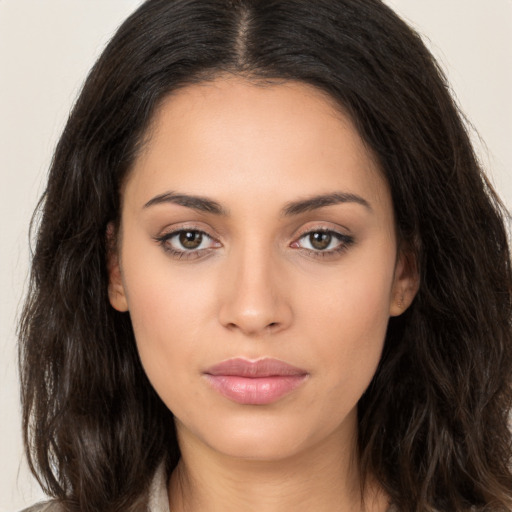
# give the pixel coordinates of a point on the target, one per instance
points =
(158, 496)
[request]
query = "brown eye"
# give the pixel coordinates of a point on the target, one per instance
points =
(323, 242)
(190, 239)
(320, 240)
(186, 244)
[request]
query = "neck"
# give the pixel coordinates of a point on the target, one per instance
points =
(324, 478)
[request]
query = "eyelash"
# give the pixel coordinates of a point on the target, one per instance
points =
(345, 241)
(183, 254)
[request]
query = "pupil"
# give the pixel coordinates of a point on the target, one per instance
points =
(320, 240)
(191, 239)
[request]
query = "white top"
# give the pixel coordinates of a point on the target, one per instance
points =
(158, 497)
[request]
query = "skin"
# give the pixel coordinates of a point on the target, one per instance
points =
(257, 287)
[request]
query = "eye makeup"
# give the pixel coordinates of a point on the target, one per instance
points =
(190, 243)
(187, 243)
(323, 243)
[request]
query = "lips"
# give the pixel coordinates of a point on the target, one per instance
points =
(254, 382)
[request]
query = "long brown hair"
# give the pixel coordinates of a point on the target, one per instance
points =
(433, 423)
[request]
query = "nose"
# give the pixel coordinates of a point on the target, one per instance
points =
(253, 294)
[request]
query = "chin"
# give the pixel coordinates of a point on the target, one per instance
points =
(269, 448)
(263, 437)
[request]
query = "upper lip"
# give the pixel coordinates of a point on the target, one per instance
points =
(266, 367)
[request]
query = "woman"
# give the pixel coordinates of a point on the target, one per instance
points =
(269, 274)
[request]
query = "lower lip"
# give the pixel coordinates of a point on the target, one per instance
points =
(255, 390)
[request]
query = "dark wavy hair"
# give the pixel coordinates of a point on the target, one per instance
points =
(433, 422)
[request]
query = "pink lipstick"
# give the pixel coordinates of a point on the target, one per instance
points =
(254, 382)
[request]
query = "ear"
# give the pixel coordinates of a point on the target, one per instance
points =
(116, 291)
(406, 282)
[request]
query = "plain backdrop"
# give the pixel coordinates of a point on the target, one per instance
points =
(46, 49)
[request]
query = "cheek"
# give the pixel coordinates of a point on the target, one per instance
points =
(349, 322)
(163, 297)
(167, 312)
(351, 300)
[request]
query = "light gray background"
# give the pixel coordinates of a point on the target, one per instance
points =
(46, 49)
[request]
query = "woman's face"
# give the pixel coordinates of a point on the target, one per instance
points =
(258, 262)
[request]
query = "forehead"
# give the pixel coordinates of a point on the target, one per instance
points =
(231, 134)
(240, 92)
(255, 103)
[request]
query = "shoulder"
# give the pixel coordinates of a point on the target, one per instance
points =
(46, 506)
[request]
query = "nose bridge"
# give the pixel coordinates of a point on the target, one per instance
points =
(254, 301)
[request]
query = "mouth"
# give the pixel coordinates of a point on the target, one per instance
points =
(254, 382)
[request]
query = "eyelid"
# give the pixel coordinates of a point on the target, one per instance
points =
(320, 225)
(169, 233)
(345, 241)
(173, 229)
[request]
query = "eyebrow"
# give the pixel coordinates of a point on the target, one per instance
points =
(206, 205)
(202, 204)
(315, 202)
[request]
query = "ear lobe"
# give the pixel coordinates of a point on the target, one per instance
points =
(116, 291)
(406, 283)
